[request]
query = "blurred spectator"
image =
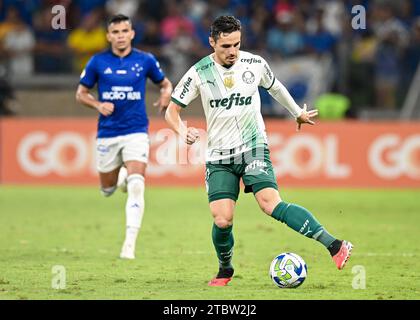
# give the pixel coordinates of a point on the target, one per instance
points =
(51, 53)
(392, 40)
(202, 30)
(85, 7)
(284, 38)
(125, 7)
(333, 16)
(241, 13)
(406, 14)
(260, 22)
(361, 72)
(87, 39)
(283, 7)
(17, 45)
(8, 105)
(221, 7)
(319, 40)
(151, 41)
(176, 22)
(10, 21)
(153, 9)
(196, 10)
(410, 60)
(306, 8)
(182, 49)
(25, 8)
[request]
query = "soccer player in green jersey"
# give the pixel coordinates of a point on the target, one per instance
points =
(228, 81)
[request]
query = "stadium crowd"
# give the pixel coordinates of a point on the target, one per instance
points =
(372, 65)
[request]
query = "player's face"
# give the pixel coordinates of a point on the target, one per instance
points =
(120, 35)
(226, 48)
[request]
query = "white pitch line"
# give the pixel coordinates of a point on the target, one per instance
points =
(385, 254)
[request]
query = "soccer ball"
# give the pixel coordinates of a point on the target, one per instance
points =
(288, 270)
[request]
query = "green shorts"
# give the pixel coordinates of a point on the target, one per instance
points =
(254, 167)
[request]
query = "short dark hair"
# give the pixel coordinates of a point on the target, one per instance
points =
(118, 18)
(224, 24)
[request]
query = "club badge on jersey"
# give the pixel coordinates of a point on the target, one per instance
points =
(229, 82)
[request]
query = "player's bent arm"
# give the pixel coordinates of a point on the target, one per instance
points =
(279, 92)
(84, 97)
(172, 117)
(165, 94)
(166, 88)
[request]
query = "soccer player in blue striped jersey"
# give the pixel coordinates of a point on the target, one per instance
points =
(122, 147)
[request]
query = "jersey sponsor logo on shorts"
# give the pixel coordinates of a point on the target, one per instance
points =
(235, 99)
(255, 165)
(102, 148)
(185, 88)
(248, 77)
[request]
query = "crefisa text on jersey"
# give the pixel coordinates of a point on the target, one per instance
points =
(212, 309)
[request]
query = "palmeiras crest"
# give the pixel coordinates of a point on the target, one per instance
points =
(248, 77)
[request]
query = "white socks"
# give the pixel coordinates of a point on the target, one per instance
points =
(134, 208)
(122, 179)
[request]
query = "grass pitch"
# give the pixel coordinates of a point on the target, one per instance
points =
(78, 229)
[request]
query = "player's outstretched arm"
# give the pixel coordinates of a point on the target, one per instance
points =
(279, 92)
(84, 97)
(172, 117)
(165, 95)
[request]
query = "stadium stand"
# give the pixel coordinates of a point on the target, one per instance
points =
(373, 66)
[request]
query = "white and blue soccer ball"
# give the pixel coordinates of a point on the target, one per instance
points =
(288, 270)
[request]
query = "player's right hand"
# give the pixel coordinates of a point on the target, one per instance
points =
(192, 135)
(106, 108)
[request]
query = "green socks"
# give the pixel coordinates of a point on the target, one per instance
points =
(302, 221)
(223, 243)
(295, 216)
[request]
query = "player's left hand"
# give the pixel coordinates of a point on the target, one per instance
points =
(192, 135)
(305, 117)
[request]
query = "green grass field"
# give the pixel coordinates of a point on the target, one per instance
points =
(77, 228)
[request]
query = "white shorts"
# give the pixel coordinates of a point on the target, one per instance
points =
(111, 153)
